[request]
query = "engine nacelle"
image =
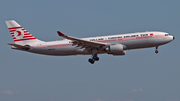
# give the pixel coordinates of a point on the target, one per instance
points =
(117, 49)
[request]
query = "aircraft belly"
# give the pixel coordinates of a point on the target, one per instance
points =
(59, 51)
(161, 41)
(65, 50)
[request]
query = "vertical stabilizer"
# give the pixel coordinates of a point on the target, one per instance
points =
(19, 34)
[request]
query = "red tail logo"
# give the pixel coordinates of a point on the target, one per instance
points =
(20, 34)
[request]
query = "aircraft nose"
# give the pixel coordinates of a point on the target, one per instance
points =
(173, 37)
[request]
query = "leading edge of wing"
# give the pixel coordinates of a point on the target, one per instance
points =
(89, 43)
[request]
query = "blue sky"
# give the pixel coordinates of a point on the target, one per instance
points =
(140, 75)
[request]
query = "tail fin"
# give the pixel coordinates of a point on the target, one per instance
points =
(19, 34)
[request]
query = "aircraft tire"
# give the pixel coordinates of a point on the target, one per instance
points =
(156, 51)
(91, 61)
(96, 58)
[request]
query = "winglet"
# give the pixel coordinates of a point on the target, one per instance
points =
(60, 34)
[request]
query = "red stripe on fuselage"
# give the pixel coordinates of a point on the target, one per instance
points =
(105, 41)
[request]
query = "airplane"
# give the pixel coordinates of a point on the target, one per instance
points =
(112, 44)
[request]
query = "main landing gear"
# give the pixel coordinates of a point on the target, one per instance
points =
(93, 59)
(156, 51)
(94, 56)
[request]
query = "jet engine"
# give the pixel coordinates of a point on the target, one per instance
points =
(117, 49)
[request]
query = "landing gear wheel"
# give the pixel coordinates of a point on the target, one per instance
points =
(96, 58)
(156, 51)
(91, 61)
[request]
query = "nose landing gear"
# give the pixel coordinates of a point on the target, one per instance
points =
(156, 51)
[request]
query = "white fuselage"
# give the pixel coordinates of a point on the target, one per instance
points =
(129, 41)
(113, 44)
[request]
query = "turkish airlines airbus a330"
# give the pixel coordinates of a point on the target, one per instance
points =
(113, 44)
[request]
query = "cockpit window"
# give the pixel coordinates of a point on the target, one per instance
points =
(166, 34)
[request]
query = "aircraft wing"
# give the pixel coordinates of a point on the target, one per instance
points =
(83, 43)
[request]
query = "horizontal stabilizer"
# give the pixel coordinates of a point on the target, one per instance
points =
(26, 47)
